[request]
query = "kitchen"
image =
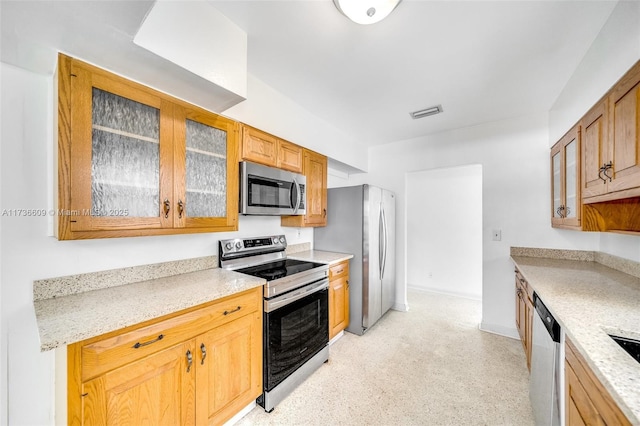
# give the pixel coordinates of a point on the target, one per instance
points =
(513, 152)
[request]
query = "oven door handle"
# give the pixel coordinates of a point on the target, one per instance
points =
(285, 299)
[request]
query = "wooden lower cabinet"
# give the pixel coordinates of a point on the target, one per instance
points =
(155, 390)
(338, 298)
(524, 314)
(199, 367)
(587, 402)
(225, 381)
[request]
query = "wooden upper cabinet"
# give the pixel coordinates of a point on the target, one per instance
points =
(565, 181)
(595, 127)
(133, 161)
(262, 148)
(206, 183)
(289, 156)
(611, 143)
(259, 147)
(624, 152)
(315, 170)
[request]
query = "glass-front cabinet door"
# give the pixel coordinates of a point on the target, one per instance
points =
(566, 203)
(133, 161)
(121, 140)
(205, 169)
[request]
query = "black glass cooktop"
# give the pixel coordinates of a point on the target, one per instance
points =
(279, 269)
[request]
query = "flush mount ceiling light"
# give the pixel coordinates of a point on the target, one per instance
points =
(366, 11)
(426, 112)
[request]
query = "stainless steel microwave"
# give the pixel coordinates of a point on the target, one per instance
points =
(270, 191)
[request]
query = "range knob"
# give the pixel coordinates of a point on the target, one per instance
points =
(282, 239)
(275, 240)
(229, 246)
(238, 245)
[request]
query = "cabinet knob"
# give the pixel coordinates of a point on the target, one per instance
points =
(605, 167)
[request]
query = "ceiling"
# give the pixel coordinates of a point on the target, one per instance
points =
(482, 61)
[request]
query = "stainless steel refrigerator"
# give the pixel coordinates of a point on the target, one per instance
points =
(361, 220)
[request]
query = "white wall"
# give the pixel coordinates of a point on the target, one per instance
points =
(514, 155)
(444, 219)
(275, 113)
(614, 51)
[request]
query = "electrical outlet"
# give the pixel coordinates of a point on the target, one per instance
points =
(497, 235)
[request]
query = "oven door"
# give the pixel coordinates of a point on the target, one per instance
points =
(295, 332)
(269, 191)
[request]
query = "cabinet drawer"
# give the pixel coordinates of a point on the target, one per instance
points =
(116, 349)
(339, 270)
(525, 286)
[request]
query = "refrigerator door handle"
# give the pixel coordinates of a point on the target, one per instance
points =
(385, 238)
(380, 242)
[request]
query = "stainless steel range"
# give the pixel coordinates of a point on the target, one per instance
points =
(296, 311)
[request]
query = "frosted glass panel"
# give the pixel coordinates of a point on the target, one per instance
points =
(571, 176)
(125, 157)
(557, 202)
(206, 171)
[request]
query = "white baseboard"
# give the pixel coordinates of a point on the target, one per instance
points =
(336, 337)
(402, 307)
(500, 330)
(233, 420)
(448, 293)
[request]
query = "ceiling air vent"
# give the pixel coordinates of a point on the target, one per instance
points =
(426, 112)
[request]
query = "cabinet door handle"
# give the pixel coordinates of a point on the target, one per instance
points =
(340, 271)
(347, 284)
(233, 310)
(189, 360)
(324, 212)
(180, 209)
(139, 345)
(203, 349)
(559, 211)
(607, 166)
(167, 208)
(600, 170)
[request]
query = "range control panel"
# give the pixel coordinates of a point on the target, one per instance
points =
(252, 245)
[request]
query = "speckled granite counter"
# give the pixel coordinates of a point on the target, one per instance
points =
(74, 317)
(591, 300)
(318, 256)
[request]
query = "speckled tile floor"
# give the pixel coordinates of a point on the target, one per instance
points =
(428, 366)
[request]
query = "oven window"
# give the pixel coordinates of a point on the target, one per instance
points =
(294, 334)
(269, 192)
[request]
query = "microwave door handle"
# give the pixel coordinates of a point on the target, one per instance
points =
(298, 195)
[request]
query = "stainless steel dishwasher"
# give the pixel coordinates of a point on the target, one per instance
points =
(545, 385)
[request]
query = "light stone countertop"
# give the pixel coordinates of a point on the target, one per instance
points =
(328, 257)
(75, 317)
(590, 301)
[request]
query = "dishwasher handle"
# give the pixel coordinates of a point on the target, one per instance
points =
(550, 323)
